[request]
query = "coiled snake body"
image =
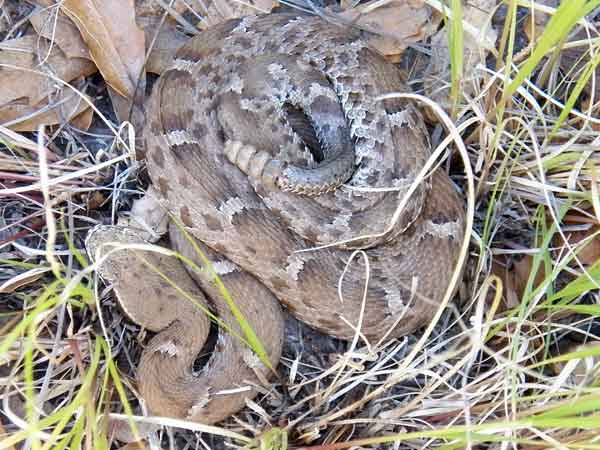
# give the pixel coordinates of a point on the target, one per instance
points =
(251, 134)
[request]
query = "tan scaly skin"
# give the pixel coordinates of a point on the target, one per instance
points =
(225, 141)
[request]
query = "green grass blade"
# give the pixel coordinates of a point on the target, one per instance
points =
(592, 310)
(20, 264)
(589, 70)
(20, 328)
(189, 297)
(579, 354)
(77, 434)
(456, 45)
(62, 417)
(252, 339)
(561, 23)
(113, 373)
(581, 285)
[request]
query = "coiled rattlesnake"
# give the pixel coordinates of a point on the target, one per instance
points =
(250, 134)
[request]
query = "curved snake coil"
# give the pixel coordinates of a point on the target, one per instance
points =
(251, 134)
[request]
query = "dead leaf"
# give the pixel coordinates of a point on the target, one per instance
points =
(590, 253)
(95, 200)
(394, 24)
(477, 14)
(29, 80)
(33, 116)
(23, 279)
(117, 46)
(222, 10)
(152, 8)
(67, 106)
(514, 276)
(19, 51)
(522, 272)
(83, 121)
(115, 42)
(168, 40)
(59, 29)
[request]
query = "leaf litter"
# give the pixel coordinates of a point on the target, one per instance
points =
(521, 338)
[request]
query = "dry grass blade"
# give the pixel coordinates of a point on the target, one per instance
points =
(512, 362)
